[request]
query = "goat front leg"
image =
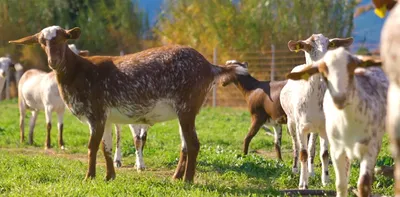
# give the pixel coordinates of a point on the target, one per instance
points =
(60, 127)
(139, 133)
(118, 154)
(278, 140)
(324, 155)
(32, 124)
(47, 112)
(341, 165)
(107, 151)
(302, 138)
(256, 122)
(96, 134)
(311, 153)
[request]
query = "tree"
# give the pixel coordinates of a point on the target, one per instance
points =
(251, 24)
(107, 26)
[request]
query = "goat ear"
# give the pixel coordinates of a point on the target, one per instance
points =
(84, 53)
(33, 39)
(305, 73)
(367, 61)
(74, 33)
(340, 42)
(296, 46)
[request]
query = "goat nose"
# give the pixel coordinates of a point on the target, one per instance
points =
(339, 101)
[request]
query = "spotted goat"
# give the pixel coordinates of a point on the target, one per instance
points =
(302, 102)
(139, 131)
(355, 109)
(390, 44)
(263, 103)
(148, 87)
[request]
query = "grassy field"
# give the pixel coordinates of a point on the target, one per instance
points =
(221, 170)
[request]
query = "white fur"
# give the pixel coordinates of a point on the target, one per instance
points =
(301, 102)
(73, 48)
(39, 91)
(354, 132)
(50, 32)
(5, 63)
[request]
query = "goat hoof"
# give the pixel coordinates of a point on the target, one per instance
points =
(303, 187)
(117, 164)
(140, 168)
(109, 177)
(295, 170)
(89, 177)
(62, 148)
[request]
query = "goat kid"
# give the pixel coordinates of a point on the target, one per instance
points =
(38, 90)
(263, 103)
(148, 87)
(355, 110)
(5, 64)
(302, 102)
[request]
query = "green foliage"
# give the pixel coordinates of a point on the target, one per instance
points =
(108, 26)
(251, 24)
(222, 170)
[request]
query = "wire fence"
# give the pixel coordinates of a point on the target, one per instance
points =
(262, 65)
(268, 65)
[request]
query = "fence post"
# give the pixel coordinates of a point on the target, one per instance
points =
(7, 84)
(272, 62)
(214, 95)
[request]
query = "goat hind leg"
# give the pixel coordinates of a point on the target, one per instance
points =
(107, 151)
(278, 140)
(118, 154)
(32, 124)
(311, 153)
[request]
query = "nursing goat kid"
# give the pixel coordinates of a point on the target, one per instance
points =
(302, 102)
(148, 87)
(263, 102)
(355, 111)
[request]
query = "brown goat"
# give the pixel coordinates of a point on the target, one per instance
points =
(263, 103)
(148, 87)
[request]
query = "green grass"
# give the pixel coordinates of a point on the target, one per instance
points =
(221, 170)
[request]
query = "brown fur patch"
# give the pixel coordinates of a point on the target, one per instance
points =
(303, 155)
(364, 187)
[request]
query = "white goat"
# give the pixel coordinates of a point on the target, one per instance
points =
(355, 111)
(38, 90)
(5, 64)
(302, 102)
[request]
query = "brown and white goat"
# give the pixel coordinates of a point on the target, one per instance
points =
(355, 109)
(390, 45)
(302, 102)
(38, 90)
(148, 87)
(263, 103)
(139, 132)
